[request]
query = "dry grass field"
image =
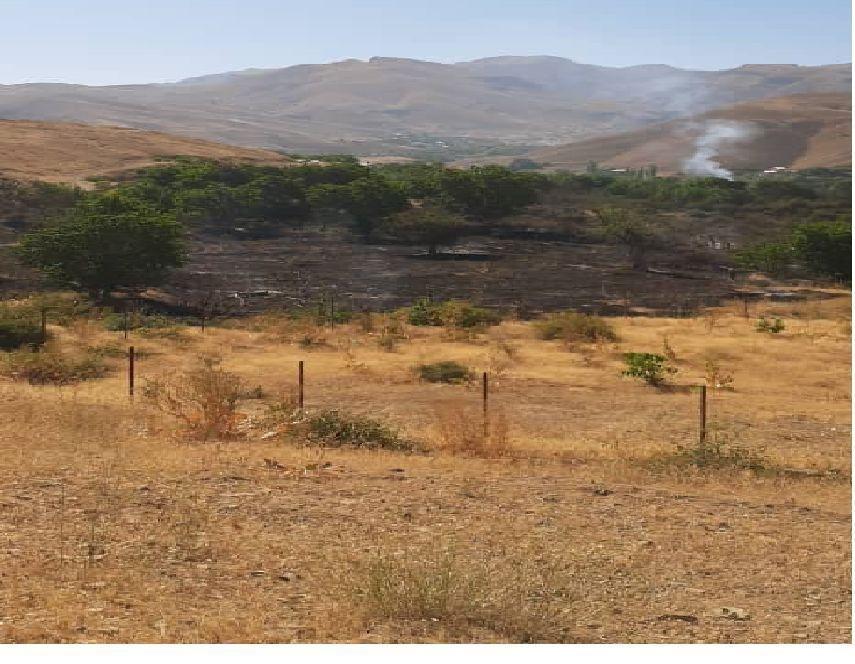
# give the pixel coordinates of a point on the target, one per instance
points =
(580, 520)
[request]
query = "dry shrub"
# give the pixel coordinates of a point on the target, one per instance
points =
(52, 367)
(392, 331)
(716, 376)
(462, 431)
(668, 350)
(522, 598)
(501, 356)
(205, 399)
(446, 371)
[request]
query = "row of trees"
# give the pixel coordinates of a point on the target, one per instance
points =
(132, 235)
(821, 248)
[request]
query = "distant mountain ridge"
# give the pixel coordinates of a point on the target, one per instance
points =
(388, 104)
(69, 152)
(796, 131)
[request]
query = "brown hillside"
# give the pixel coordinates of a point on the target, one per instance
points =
(67, 152)
(799, 131)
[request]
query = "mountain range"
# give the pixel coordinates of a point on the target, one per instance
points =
(794, 131)
(402, 106)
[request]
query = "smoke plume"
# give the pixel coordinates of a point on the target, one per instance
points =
(715, 134)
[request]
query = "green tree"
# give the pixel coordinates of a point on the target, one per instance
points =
(109, 241)
(825, 248)
(773, 258)
(626, 227)
(429, 226)
(367, 201)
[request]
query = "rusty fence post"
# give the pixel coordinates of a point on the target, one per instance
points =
(131, 372)
(485, 392)
(702, 414)
(300, 386)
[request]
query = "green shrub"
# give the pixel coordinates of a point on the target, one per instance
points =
(52, 368)
(572, 326)
(16, 331)
(444, 372)
(334, 428)
(115, 321)
(772, 327)
(649, 367)
(453, 313)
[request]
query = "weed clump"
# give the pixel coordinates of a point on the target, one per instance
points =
(771, 327)
(524, 599)
(444, 372)
(649, 367)
(714, 454)
(575, 327)
(335, 428)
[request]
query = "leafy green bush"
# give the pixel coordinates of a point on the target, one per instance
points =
(772, 327)
(115, 321)
(444, 372)
(452, 313)
(773, 258)
(649, 367)
(52, 368)
(825, 248)
(334, 428)
(16, 332)
(571, 326)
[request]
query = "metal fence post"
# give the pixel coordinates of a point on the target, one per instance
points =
(131, 372)
(300, 386)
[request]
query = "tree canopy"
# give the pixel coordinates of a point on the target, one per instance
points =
(109, 241)
(429, 226)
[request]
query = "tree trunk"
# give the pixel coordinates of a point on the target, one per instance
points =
(638, 256)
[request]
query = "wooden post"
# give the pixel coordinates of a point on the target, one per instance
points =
(484, 400)
(332, 310)
(300, 386)
(702, 414)
(745, 306)
(44, 326)
(131, 372)
(203, 323)
(126, 321)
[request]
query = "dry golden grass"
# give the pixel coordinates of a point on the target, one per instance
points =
(116, 529)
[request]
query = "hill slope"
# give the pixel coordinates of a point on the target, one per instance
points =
(798, 131)
(401, 104)
(66, 152)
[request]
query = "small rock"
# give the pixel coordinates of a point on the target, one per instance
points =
(288, 576)
(684, 617)
(267, 435)
(257, 572)
(603, 492)
(396, 470)
(734, 613)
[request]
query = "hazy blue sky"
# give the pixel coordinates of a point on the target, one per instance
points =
(115, 41)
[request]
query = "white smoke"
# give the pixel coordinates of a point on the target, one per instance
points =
(715, 134)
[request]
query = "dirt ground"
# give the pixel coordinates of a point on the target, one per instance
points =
(113, 528)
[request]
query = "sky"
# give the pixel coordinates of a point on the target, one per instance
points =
(105, 42)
